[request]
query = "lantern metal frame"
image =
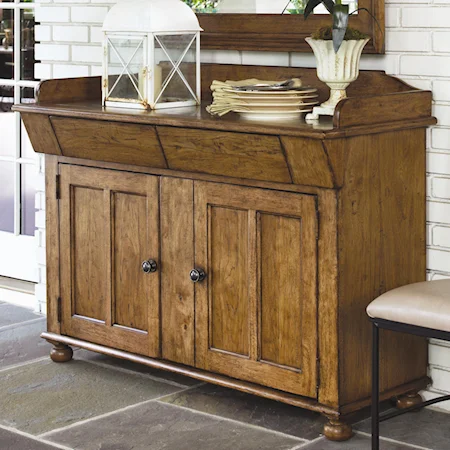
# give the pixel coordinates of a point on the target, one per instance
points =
(147, 98)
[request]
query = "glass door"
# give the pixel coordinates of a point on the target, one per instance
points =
(18, 162)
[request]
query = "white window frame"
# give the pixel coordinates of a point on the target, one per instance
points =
(18, 252)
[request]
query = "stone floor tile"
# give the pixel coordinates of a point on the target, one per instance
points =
(14, 441)
(43, 396)
(11, 314)
(165, 376)
(427, 428)
(158, 426)
(22, 343)
(357, 442)
(251, 409)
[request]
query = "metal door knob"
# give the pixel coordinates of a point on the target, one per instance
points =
(197, 275)
(149, 266)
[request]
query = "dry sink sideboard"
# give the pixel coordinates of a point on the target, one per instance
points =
(236, 252)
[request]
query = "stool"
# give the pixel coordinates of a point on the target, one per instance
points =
(422, 309)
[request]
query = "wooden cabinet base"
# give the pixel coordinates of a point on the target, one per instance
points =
(337, 430)
(408, 400)
(60, 352)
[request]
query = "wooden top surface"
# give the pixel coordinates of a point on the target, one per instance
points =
(198, 117)
(376, 103)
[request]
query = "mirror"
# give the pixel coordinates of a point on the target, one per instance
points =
(258, 6)
(259, 25)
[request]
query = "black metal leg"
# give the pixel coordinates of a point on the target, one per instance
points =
(375, 388)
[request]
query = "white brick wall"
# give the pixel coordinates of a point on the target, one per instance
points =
(417, 50)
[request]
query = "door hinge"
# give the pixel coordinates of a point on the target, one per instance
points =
(318, 221)
(318, 375)
(58, 187)
(59, 311)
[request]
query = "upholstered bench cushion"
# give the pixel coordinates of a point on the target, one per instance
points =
(425, 304)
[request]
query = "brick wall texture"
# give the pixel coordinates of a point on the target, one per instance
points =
(417, 50)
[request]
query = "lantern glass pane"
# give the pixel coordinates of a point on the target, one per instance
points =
(175, 56)
(126, 69)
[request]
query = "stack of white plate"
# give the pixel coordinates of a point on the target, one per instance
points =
(272, 104)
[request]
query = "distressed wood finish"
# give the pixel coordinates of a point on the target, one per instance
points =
(298, 227)
(177, 260)
(381, 247)
(235, 244)
(42, 136)
(103, 233)
(220, 153)
(308, 162)
(52, 248)
(282, 33)
(106, 141)
(371, 110)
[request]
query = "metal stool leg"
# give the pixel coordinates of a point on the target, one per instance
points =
(375, 388)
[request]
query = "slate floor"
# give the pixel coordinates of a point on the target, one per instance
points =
(96, 402)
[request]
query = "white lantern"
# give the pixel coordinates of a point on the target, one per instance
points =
(151, 55)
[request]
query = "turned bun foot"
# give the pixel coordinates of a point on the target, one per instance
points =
(408, 400)
(337, 430)
(61, 353)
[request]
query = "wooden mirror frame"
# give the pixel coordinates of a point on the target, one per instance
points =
(278, 33)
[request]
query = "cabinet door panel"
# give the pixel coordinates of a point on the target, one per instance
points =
(88, 230)
(228, 248)
(129, 238)
(109, 222)
(256, 311)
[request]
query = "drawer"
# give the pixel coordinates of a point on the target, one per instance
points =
(109, 141)
(240, 155)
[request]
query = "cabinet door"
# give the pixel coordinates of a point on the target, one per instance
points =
(109, 225)
(256, 310)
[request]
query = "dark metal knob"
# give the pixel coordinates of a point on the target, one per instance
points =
(197, 275)
(149, 266)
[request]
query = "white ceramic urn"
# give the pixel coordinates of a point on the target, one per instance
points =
(337, 70)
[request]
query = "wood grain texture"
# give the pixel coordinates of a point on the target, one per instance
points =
(282, 281)
(90, 252)
(40, 131)
(221, 153)
(228, 279)
(308, 162)
(109, 141)
(300, 381)
(370, 110)
(69, 90)
(89, 285)
(52, 244)
(328, 307)
(129, 224)
(381, 246)
(177, 260)
(285, 33)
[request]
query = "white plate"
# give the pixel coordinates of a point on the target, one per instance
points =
(276, 106)
(274, 115)
(271, 93)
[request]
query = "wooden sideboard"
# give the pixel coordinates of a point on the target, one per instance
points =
(294, 227)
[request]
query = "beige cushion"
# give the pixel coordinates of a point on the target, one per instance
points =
(425, 304)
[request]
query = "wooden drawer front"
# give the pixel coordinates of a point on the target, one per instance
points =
(253, 156)
(109, 141)
(256, 312)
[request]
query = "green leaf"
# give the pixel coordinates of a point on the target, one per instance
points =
(340, 23)
(329, 4)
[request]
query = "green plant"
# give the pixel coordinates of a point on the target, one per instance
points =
(339, 29)
(202, 5)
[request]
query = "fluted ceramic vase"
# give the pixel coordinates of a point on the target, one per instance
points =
(337, 70)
